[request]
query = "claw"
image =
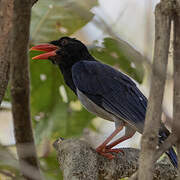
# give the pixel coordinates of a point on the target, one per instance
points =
(107, 152)
(117, 150)
(107, 155)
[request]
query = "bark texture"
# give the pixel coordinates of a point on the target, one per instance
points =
(6, 13)
(20, 91)
(154, 110)
(78, 161)
(176, 58)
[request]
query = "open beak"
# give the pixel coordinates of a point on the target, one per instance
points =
(50, 50)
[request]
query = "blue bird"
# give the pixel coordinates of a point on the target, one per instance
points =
(102, 90)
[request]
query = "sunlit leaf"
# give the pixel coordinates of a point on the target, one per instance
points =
(55, 18)
(8, 161)
(53, 117)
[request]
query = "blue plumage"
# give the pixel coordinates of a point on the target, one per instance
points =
(116, 93)
(102, 90)
(119, 94)
(172, 156)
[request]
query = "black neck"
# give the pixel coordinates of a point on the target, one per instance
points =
(67, 74)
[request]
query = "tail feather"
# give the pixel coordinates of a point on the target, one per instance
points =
(164, 133)
(172, 156)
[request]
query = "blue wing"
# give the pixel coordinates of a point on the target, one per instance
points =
(116, 93)
(111, 90)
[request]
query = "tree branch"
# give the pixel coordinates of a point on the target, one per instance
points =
(79, 161)
(153, 114)
(6, 13)
(6, 173)
(20, 88)
(176, 58)
(170, 141)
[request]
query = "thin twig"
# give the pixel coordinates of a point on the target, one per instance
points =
(7, 174)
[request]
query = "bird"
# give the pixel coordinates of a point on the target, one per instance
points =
(103, 90)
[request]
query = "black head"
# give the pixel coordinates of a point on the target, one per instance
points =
(70, 51)
(65, 51)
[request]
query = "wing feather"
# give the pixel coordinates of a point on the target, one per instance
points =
(111, 90)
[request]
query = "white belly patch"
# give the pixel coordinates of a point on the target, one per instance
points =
(93, 108)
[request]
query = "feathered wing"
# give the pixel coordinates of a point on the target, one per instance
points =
(111, 90)
(116, 93)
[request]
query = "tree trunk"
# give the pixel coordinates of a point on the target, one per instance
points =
(154, 110)
(20, 91)
(6, 13)
(176, 58)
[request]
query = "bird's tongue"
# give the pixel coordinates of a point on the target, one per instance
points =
(48, 48)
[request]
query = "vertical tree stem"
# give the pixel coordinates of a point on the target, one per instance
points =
(153, 116)
(6, 12)
(20, 91)
(176, 58)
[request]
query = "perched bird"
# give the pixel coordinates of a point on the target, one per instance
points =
(103, 91)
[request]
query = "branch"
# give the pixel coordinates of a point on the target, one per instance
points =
(176, 58)
(6, 173)
(153, 114)
(20, 88)
(169, 142)
(6, 12)
(79, 161)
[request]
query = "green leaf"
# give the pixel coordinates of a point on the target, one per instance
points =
(50, 167)
(55, 18)
(7, 96)
(51, 116)
(8, 161)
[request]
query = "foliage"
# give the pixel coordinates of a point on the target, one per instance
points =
(112, 54)
(52, 19)
(55, 109)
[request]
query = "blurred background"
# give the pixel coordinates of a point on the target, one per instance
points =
(119, 33)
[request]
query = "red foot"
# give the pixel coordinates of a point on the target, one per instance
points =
(116, 150)
(107, 152)
(107, 155)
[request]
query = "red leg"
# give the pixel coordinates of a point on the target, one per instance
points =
(107, 152)
(103, 145)
(116, 150)
(124, 138)
(107, 155)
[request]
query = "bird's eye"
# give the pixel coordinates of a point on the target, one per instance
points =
(64, 42)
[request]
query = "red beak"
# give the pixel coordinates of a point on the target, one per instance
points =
(48, 48)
